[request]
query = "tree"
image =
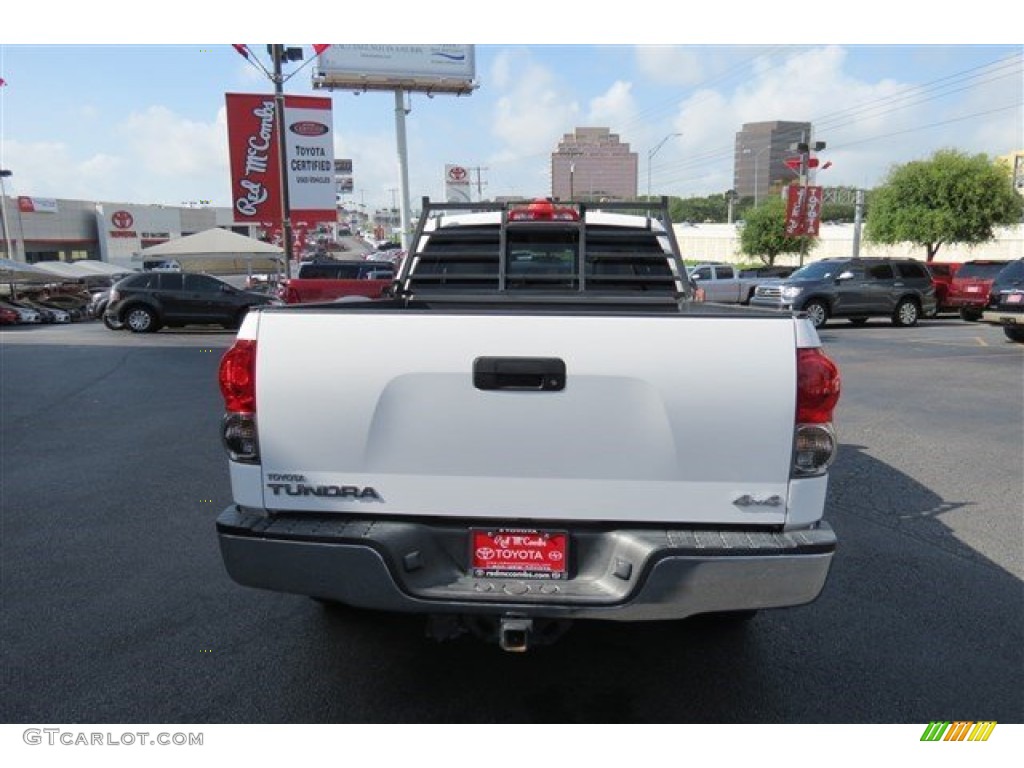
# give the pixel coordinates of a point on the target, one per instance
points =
(951, 198)
(764, 233)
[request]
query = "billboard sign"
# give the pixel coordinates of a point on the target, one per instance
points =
(431, 68)
(255, 173)
(343, 181)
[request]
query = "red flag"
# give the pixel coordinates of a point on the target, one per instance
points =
(318, 49)
(241, 48)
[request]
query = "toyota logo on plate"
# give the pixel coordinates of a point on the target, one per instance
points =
(308, 128)
(122, 219)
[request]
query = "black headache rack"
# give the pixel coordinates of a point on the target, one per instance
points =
(537, 250)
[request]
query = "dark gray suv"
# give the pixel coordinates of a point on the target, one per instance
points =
(856, 289)
(145, 302)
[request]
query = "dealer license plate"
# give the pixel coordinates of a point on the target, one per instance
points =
(519, 553)
(1015, 298)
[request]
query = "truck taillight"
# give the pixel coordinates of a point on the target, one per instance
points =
(818, 386)
(237, 378)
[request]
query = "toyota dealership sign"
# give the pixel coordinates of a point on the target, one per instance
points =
(255, 172)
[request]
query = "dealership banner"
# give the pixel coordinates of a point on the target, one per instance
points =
(309, 161)
(803, 210)
(37, 205)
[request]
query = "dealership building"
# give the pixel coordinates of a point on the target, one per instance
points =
(49, 229)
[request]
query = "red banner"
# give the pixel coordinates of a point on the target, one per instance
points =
(255, 172)
(803, 210)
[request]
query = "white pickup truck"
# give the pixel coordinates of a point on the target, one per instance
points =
(507, 441)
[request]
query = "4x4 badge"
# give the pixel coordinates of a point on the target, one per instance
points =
(746, 500)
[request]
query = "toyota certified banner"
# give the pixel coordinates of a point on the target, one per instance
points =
(255, 174)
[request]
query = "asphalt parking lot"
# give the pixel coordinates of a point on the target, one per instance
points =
(117, 607)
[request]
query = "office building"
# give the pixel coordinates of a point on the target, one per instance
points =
(593, 164)
(759, 165)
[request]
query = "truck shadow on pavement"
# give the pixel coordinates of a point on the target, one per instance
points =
(912, 625)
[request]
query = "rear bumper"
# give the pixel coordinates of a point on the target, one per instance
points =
(651, 573)
(1002, 317)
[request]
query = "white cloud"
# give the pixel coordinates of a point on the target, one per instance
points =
(614, 107)
(534, 111)
(671, 64)
(49, 169)
(170, 146)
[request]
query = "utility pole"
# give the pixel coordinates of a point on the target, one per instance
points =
(277, 52)
(730, 200)
(479, 184)
(3, 215)
(804, 147)
(858, 216)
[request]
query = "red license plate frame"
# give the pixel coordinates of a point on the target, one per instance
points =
(520, 553)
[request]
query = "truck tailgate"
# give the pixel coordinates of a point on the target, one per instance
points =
(660, 418)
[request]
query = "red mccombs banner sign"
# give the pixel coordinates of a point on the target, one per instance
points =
(255, 174)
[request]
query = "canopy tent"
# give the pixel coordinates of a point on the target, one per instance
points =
(61, 270)
(216, 245)
(19, 272)
(103, 269)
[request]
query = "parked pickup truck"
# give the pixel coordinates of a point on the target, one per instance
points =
(332, 279)
(517, 445)
(724, 284)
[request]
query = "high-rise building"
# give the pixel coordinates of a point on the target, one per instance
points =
(593, 164)
(759, 165)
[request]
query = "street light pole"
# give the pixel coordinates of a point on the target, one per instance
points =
(4, 173)
(651, 154)
(757, 163)
(282, 158)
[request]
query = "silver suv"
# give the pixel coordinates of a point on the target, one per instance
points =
(857, 289)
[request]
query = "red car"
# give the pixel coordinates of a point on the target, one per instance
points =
(942, 277)
(8, 316)
(968, 292)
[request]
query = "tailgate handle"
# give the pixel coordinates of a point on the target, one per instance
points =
(543, 374)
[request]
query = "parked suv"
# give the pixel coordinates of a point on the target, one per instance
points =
(1009, 278)
(1006, 301)
(969, 291)
(857, 289)
(147, 301)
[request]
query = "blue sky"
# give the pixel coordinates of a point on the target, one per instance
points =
(144, 121)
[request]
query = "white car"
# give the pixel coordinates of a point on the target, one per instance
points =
(25, 315)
